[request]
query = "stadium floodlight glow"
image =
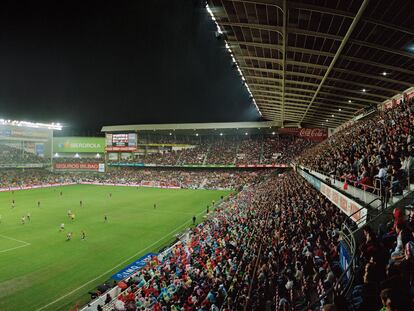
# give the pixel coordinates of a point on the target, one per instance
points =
(221, 134)
(339, 109)
(98, 155)
(246, 133)
(273, 133)
(56, 155)
(170, 133)
(50, 126)
(384, 73)
(364, 90)
(327, 120)
(196, 134)
(77, 155)
(333, 116)
(349, 101)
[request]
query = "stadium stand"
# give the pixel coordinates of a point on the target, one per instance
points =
(180, 178)
(279, 244)
(230, 150)
(243, 254)
(376, 152)
(13, 155)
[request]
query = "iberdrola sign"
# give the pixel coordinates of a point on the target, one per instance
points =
(78, 144)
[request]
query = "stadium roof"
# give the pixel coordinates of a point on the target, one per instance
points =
(189, 127)
(309, 61)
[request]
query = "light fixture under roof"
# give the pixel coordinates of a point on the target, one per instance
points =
(384, 73)
(219, 34)
(364, 90)
(349, 101)
(339, 109)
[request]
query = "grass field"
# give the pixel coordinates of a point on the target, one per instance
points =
(40, 270)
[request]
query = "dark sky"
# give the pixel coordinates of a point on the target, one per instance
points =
(93, 63)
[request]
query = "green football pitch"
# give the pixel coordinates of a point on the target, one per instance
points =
(40, 270)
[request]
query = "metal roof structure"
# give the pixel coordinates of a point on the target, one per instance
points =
(189, 127)
(316, 62)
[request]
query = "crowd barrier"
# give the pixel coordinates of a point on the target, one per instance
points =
(365, 195)
(349, 207)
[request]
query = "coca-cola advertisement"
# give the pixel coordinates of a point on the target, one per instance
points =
(314, 134)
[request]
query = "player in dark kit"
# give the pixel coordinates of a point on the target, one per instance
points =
(155, 206)
(80, 203)
(110, 194)
(194, 220)
(105, 218)
(38, 203)
(208, 209)
(61, 193)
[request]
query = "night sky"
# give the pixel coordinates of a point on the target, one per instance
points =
(93, 63)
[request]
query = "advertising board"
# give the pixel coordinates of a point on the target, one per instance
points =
(314, 134)
(98, 167)
(78, 144)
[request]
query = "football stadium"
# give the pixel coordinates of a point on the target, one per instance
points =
(207, 155)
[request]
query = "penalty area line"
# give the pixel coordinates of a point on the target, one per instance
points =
(115, 267)
(13, 239)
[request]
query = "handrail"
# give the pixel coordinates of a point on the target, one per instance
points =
(338, 283)
(383, 203)
(344, 179)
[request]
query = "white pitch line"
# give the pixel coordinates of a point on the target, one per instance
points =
(10, 249)
(110, 270)
(13, 239)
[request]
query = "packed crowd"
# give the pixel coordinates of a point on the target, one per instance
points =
(12, 155)
(271, 247)
(10, 178)
(374, 152)
(229, 150)
(284, 150)
(182, 178)
(222, 151)
(386, 259)
(249, 152)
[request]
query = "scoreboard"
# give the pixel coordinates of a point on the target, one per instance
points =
(121, 142)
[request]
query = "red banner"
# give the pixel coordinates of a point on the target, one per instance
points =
(262, 165)
(77, 166)
(121, 149)
(315, 134)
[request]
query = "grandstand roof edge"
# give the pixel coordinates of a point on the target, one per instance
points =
(186, 126)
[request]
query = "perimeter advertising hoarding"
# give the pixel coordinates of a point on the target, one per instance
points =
(315, 134)
(78, 145)
(202, 165)
(98, 167)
